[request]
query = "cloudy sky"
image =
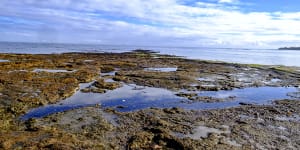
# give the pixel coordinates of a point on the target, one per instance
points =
(214, 23)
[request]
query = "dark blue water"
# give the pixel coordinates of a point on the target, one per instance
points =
(128, 98)
(253, 94)
(48, 110)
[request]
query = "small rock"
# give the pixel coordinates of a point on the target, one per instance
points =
(241, 122)
(120, 107)
(246, 104)
(80, 119)
(30, 125)
(97, 105)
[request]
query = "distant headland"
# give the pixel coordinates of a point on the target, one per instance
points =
(289, 48)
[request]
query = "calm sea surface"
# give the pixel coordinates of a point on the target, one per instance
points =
(246, 56)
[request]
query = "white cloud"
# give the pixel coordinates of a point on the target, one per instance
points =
(227, 1)
(158, 22)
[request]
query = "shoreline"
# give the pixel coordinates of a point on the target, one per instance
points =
(22, 88)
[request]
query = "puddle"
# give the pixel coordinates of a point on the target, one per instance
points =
(208, 85)
(203, 131)
(294, 94)
(109, 80)
(52, 70)
(277, 127)
(259, 95)
(246, 117)
(48, 110)
(88, 60)
(17, 71)
(247, 77)
(112, 73)
(132, 97)
(206, 79)
(127, 98)
(107, 76)
(276, 80)
(210, 81)
(232, 142)
(167, 69)
(4, 60)
(272, 81)
(295, 118)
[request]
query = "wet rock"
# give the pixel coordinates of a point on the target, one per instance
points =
(173, 110)
(98, 90)
(153, 128)
(294, 95)
(80, 119)
(84, 76)
(241, 122)
(247, 104)
(30, 125)
(145, 140)
(107, 69)
(119, 78)
(86, 90)
(101, 84)
(187, 95)
(121, 107)
(209, 99)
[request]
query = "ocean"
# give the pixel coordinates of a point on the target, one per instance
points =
(233, 55)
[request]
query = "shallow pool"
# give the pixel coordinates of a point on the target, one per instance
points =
(4, 60)
(131, 97)
(166, 69)
(52, 70)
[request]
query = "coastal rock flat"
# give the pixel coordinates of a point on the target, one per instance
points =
(31, 81)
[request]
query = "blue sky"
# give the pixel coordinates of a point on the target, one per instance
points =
(213, 23)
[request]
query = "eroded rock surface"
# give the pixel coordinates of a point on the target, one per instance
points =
(252, 126)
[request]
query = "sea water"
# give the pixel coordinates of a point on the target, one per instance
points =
(234, 55)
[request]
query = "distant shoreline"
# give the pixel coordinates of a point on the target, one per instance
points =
(289, 48)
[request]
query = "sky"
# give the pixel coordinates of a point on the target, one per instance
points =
(209, 23)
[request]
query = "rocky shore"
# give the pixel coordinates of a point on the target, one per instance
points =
(32, 81)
